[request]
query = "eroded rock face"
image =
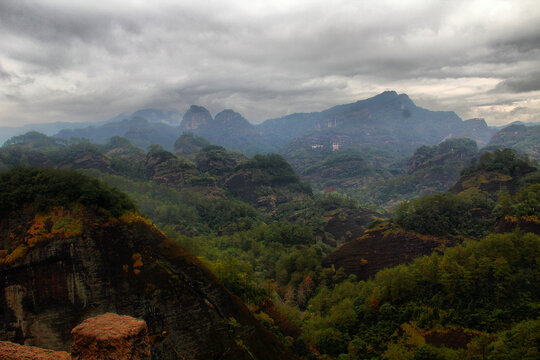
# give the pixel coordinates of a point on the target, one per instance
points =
(123, 337)
(128, 267)
(104, 337)
(348, 224)
(382, 248)
(510, 223)
(165, 168)
(195, 117)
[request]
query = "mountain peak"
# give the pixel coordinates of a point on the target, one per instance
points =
(477, 122)
(195, 117)
(228, 115)
(389, 93)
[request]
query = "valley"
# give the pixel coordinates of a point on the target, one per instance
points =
(371, 230)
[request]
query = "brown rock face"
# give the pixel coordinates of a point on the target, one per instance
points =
(348, 224)
(527, 224)
(12, 351)
(126, 266)
(124, 337)
(381, 248)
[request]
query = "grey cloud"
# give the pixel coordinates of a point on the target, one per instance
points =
(4, 75)
(49, 23)
(117, 57)
(525, 83)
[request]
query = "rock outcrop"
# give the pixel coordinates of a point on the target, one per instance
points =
(348, 224)
(382, 248)
(266, 181)
(194, 118)
(165, 168)
(451, 152)
(69, 262)
(104, 337)
(12, 351)
(110, 337)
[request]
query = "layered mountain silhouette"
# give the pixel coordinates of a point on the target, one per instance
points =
(389, 119)
(228, 128)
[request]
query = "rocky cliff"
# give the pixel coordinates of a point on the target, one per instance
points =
(65, 263)
(194, 118)
(384, 247)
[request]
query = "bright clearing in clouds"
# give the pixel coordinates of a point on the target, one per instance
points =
(88, 60)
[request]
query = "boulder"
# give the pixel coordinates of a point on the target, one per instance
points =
(123, 337)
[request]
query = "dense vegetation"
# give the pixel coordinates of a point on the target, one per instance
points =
(505, 161)
(473, 212)
(186, 212)
(44, 188)
(270, 168)
(481, 288)
(477, 300)
(446, 214)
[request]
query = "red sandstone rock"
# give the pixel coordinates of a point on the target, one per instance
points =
(12, 351)
(110, 336)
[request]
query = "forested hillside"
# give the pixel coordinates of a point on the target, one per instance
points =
(442, 276)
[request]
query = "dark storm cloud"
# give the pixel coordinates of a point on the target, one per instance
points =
(520, 84)
(59, 24)
(89, 60)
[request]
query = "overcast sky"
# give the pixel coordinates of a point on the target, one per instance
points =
(91, 60)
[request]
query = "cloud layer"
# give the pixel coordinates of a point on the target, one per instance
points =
(88, 60)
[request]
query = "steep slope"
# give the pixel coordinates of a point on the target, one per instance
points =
(165, 168)
(479, 203)
(194, 118)
(188, 145)
(501, 170)
(266, 181)
(80, 249)
(429, 170)
(451, 152)
(218, 162)
(523, 139)
(382, 248)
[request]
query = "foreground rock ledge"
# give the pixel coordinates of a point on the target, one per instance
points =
(110, 336)
(12, 351)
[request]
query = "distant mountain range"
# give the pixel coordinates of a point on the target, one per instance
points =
(387, 117)
(171, 117)
(382, 130)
